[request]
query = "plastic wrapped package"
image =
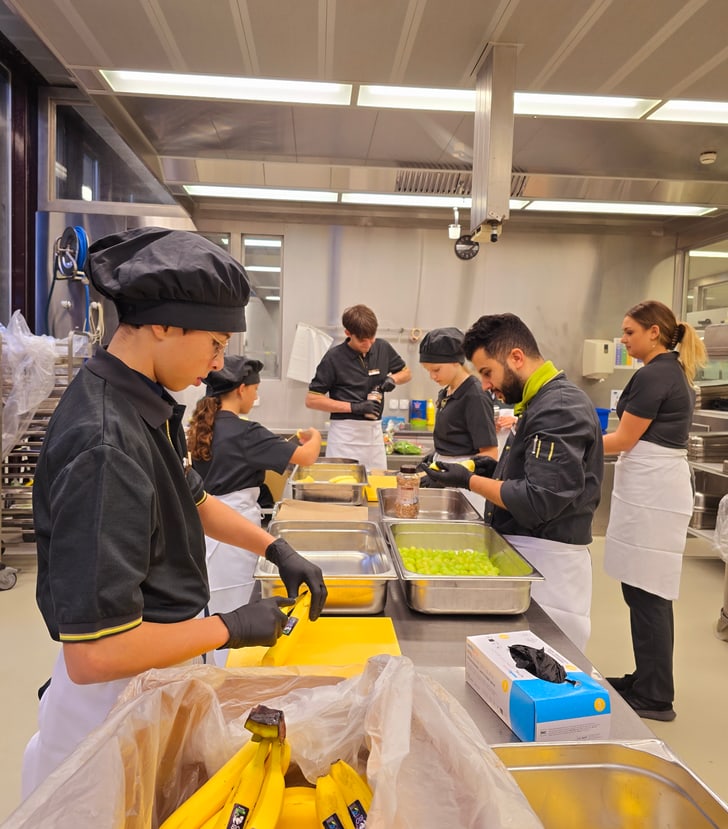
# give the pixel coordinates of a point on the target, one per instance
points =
(720, 536)
(28, 377)
(427, 762)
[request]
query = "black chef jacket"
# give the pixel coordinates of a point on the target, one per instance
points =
(118, 533)
(242, 451)
(551, 468)
(345, 374)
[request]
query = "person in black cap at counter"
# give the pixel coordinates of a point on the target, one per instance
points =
(346, 375)
(119, 521)
(464, 418)
(232, 454)
(543, 491)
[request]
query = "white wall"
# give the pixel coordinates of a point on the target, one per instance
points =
(566, 285)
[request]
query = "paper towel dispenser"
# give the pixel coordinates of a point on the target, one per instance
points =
(597, 359)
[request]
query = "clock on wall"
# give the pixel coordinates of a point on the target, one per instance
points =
(466, 248)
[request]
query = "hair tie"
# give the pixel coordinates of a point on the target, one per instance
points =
(677, 335)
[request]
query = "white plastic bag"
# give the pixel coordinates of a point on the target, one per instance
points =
(28, 377)
(720, 536)
(429, 764)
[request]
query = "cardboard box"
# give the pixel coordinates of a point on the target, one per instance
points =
(536, 710)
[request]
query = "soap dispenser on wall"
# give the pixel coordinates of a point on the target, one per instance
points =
(597, 359)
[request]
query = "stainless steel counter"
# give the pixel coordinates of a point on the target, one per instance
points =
(436, 644)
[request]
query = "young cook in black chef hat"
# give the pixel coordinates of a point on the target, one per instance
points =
(232, 454)
(119, 521)
(464, 419)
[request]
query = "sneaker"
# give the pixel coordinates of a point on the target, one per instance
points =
(621, 683)
(721, 627)
(649, 710)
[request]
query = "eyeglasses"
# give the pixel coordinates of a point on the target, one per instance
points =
(218, 346)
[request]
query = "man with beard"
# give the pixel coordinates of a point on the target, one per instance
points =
(542, 493)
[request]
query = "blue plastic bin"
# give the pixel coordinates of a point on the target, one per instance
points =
(603, 418)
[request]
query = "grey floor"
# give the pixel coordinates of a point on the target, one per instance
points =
(697, 736)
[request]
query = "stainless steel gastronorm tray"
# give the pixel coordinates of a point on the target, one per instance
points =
(605, 785)
(320, 489)
(435, 505)
(352, 555)
(507, 593)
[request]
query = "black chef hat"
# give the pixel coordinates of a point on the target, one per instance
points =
(442, 345)
(237, 371)
(157, 276)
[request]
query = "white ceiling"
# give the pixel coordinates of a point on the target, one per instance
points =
(643, 48)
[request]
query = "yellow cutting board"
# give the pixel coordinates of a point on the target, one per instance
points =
(347, 641)
(375, 482)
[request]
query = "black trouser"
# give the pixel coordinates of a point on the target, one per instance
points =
(653, 638)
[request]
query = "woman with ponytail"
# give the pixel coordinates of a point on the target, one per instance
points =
(652, 499)
(232, 455)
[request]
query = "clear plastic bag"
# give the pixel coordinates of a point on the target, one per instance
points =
(427, 761)
(28, 377)
(720, 536)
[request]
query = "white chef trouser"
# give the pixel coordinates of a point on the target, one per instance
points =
(565, 594)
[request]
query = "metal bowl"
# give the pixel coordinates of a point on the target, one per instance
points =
(435, 505)
(352, 556)
(322, 490)
(507, 593)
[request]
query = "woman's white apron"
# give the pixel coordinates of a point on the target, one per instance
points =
(652, 502)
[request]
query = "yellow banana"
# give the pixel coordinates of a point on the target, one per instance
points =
(240, 804)
(469, 464)
(211, 796)
(299, 809)
(268, 807)
(331, 807)
(356, 790)
(297, 619)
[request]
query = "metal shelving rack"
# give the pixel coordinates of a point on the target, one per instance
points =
(18, 468)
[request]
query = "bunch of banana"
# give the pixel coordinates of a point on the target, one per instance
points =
(298, 618)
(343, 798)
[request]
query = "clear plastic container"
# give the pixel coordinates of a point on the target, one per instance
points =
(407, 504)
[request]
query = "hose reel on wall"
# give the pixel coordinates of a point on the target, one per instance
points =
(70, 253)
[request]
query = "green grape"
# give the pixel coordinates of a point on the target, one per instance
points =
(450, 562)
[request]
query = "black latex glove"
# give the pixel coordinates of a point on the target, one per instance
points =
(426, 461)
(296, 570)
(388, 384)
(367, 407)
(450, 474)
(484, 466)
(257, 623)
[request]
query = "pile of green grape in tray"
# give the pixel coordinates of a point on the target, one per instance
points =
(429, 561)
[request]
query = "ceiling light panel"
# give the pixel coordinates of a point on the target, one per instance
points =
(581, 106)
(632, 209)
(413, 97)
(227, 88)
(692, 112)
(269, 193)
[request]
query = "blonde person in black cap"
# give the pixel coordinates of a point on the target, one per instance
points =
(464, 418)
(120, 523)
(232, 454)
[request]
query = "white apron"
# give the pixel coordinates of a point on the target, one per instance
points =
(566, 593)
(67, 714)
(652, 502)
(360, 439)
(230, 569)
(475, 498)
